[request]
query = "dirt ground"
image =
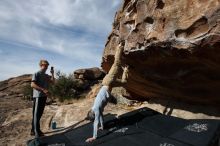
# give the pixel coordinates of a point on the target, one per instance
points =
(16, 115)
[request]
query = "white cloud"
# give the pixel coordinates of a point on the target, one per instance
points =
(73, 28)
(26, 21)
(91, 15)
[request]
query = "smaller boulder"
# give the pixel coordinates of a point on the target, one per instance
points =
(94, 73)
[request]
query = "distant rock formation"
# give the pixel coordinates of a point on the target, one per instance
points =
(172, 49)
(89, 73)
(14, 86)
(87, 78)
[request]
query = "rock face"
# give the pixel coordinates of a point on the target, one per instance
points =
(172, 49)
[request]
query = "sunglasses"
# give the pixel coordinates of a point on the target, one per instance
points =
(44, 65)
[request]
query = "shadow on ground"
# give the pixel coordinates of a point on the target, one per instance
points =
(140, 127)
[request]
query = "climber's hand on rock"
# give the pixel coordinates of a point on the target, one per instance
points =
(121, 44)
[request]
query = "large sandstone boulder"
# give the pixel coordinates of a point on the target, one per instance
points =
(172, 48)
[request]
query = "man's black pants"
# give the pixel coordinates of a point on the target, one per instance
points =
(38, 109)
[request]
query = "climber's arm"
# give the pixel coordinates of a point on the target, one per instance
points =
(117, 62)
(113, 72)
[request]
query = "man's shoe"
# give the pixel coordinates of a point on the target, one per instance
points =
(32, 133)
(41, 133)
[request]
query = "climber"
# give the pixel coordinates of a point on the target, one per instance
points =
(103, 96)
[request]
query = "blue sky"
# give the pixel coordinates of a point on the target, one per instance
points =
(70, 34)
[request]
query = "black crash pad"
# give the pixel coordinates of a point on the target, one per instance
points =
(142, 127)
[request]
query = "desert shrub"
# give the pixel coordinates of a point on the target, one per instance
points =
(65, 87)
(27, 92)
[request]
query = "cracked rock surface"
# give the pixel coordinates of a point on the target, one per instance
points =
(172, 48)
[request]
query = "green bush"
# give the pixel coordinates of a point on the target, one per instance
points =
(27, 92)
(64, 88)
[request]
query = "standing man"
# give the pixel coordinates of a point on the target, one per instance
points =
(40, 84)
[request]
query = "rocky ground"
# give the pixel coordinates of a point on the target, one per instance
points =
(16, 116)
(15, 110)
